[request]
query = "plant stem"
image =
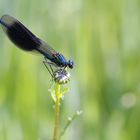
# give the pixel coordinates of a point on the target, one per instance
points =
(67, 125)
(56, 113)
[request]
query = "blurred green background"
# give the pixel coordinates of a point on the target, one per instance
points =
(103, 39)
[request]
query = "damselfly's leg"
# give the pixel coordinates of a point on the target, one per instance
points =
(50, 64)
(65, 68)
(50, 71)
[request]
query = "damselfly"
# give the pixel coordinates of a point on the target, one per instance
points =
(26, 40)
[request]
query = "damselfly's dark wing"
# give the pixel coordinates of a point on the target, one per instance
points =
(23, 38)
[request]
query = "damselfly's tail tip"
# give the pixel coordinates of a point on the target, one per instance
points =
(6, 20)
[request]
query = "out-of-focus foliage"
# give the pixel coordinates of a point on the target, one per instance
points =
(103, 39)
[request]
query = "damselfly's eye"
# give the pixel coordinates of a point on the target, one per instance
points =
(70, 64)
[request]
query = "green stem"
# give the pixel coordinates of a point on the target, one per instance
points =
(57, 109)
(67, 125)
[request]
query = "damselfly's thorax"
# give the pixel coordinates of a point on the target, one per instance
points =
(61, 61)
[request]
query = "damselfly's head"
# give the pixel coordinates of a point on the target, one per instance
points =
(70, 64)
